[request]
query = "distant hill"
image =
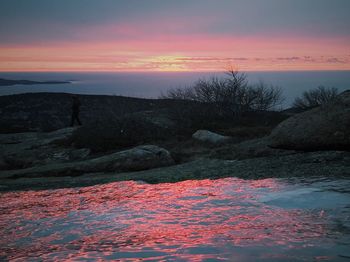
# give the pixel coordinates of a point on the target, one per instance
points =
(8, 82)
(51, 111)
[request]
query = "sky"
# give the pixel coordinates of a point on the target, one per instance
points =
(169, 35)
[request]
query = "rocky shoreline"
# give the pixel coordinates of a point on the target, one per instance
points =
(312, 143)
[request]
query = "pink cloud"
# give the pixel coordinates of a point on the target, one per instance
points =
(179, 52)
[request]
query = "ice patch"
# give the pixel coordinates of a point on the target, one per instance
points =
(306, 198)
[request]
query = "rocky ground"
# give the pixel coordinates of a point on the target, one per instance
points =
(311, 143)
(323, 163)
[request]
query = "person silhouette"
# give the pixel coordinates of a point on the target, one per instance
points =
(75, 110)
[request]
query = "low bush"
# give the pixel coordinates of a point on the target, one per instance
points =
(316, 97)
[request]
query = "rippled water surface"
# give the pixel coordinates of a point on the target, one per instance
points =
(209, 220)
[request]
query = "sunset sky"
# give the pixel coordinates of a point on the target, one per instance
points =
(169, 35)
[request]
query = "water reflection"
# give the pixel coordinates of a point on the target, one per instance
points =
(208, 220)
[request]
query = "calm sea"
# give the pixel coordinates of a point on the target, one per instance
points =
(151, 85)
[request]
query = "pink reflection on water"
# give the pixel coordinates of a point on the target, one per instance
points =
(190, 220)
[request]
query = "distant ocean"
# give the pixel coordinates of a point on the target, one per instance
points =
(151, 85)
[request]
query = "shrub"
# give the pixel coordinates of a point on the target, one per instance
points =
(315, 97)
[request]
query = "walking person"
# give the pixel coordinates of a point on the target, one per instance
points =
(75, 110)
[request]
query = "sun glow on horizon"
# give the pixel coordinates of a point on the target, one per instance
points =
(180, 54)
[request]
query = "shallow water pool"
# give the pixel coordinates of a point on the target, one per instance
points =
(209, 220)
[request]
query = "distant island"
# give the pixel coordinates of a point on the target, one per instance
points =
(8, 82)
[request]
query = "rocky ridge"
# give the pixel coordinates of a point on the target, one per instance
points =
(37, 160)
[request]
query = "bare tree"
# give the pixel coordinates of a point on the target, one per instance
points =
(265, 97)
(315, 97)
(231, 95)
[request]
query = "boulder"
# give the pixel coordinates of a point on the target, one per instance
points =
(23, 150)
(210, 137)
(323, 128)
(29, 140)
(134, 159)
